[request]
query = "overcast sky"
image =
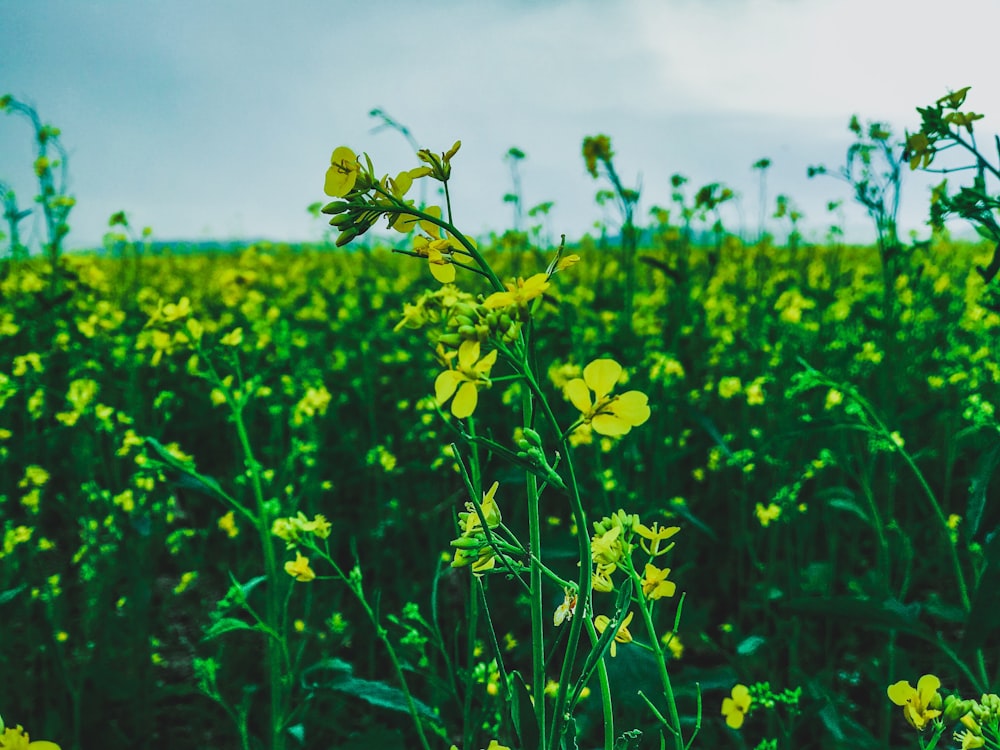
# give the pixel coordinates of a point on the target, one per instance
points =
(217, 119)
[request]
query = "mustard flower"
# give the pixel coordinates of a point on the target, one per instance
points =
(623, 635)
(735, 708)
(464, 382)
(601, 580)
(921, 704)
(406, 223)
(606, 547)
(343, 172)
(469, 520)
(607, 414)
(299, 568)
(18, 739)
(969, 739)
(655, 535)
(519, 292)
(438, 254)
(655, 584)
(227, 523)
(767, 514)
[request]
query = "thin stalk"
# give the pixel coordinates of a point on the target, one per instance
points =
(645, 608)
(535, 578)
(273, 613)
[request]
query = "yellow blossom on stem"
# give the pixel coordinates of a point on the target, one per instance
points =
(920, 704)
(601, 580)
(15, 738)
(655, 535)
(735, 707)
(607, 414)
(406, 223)
(655, 584)
(969, 740)
(343, 172)
(519, 292)
(299, 568)
(464, 382)
(606, 547)
(767, 514)
(438, 254)
(469, 520)
(623, 635)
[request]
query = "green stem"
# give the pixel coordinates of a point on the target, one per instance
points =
(356, 586)
(273, 611)
(535, 578)
(646, 607)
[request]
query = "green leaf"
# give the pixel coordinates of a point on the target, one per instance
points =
(890, 614)
(985, 468)
(984, 616)
(226, 625)
(749, 645)
(336, 674)
(6, 596)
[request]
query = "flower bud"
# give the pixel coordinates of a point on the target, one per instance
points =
(533, 437)
(335, 207)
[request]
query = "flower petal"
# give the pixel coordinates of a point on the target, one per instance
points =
(901, 692)
(602, 376)
(579, 395)
(610, 425)
(927, 686)
(441, 269)
(633, 407)
(468, 353)
(445, 385)
(465, 400)
(484, 365)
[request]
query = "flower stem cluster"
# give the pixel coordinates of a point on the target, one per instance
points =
(473, 547)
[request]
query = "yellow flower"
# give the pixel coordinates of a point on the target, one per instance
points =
(623, 635)
(17, 739)
(919, 150)
(469, 520)
(596, 148)
(969, 740)
(767, 514)
(438, 254)
(343, 172)
(607, 414)
(228, 524)
(920, 705)
(465, 380)
(655, 584)
(233, 338)
(954, 99)
(601, 580)
(729, 387)
(519, 292)
(655, 535)
(735, 708)
(606, 547)
(673, 642)
(299, 568)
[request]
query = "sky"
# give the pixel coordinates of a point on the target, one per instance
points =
(216, 120)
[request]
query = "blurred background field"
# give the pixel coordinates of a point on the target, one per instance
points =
(808, 554)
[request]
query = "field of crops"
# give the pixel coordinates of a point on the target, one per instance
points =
(639, 493)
